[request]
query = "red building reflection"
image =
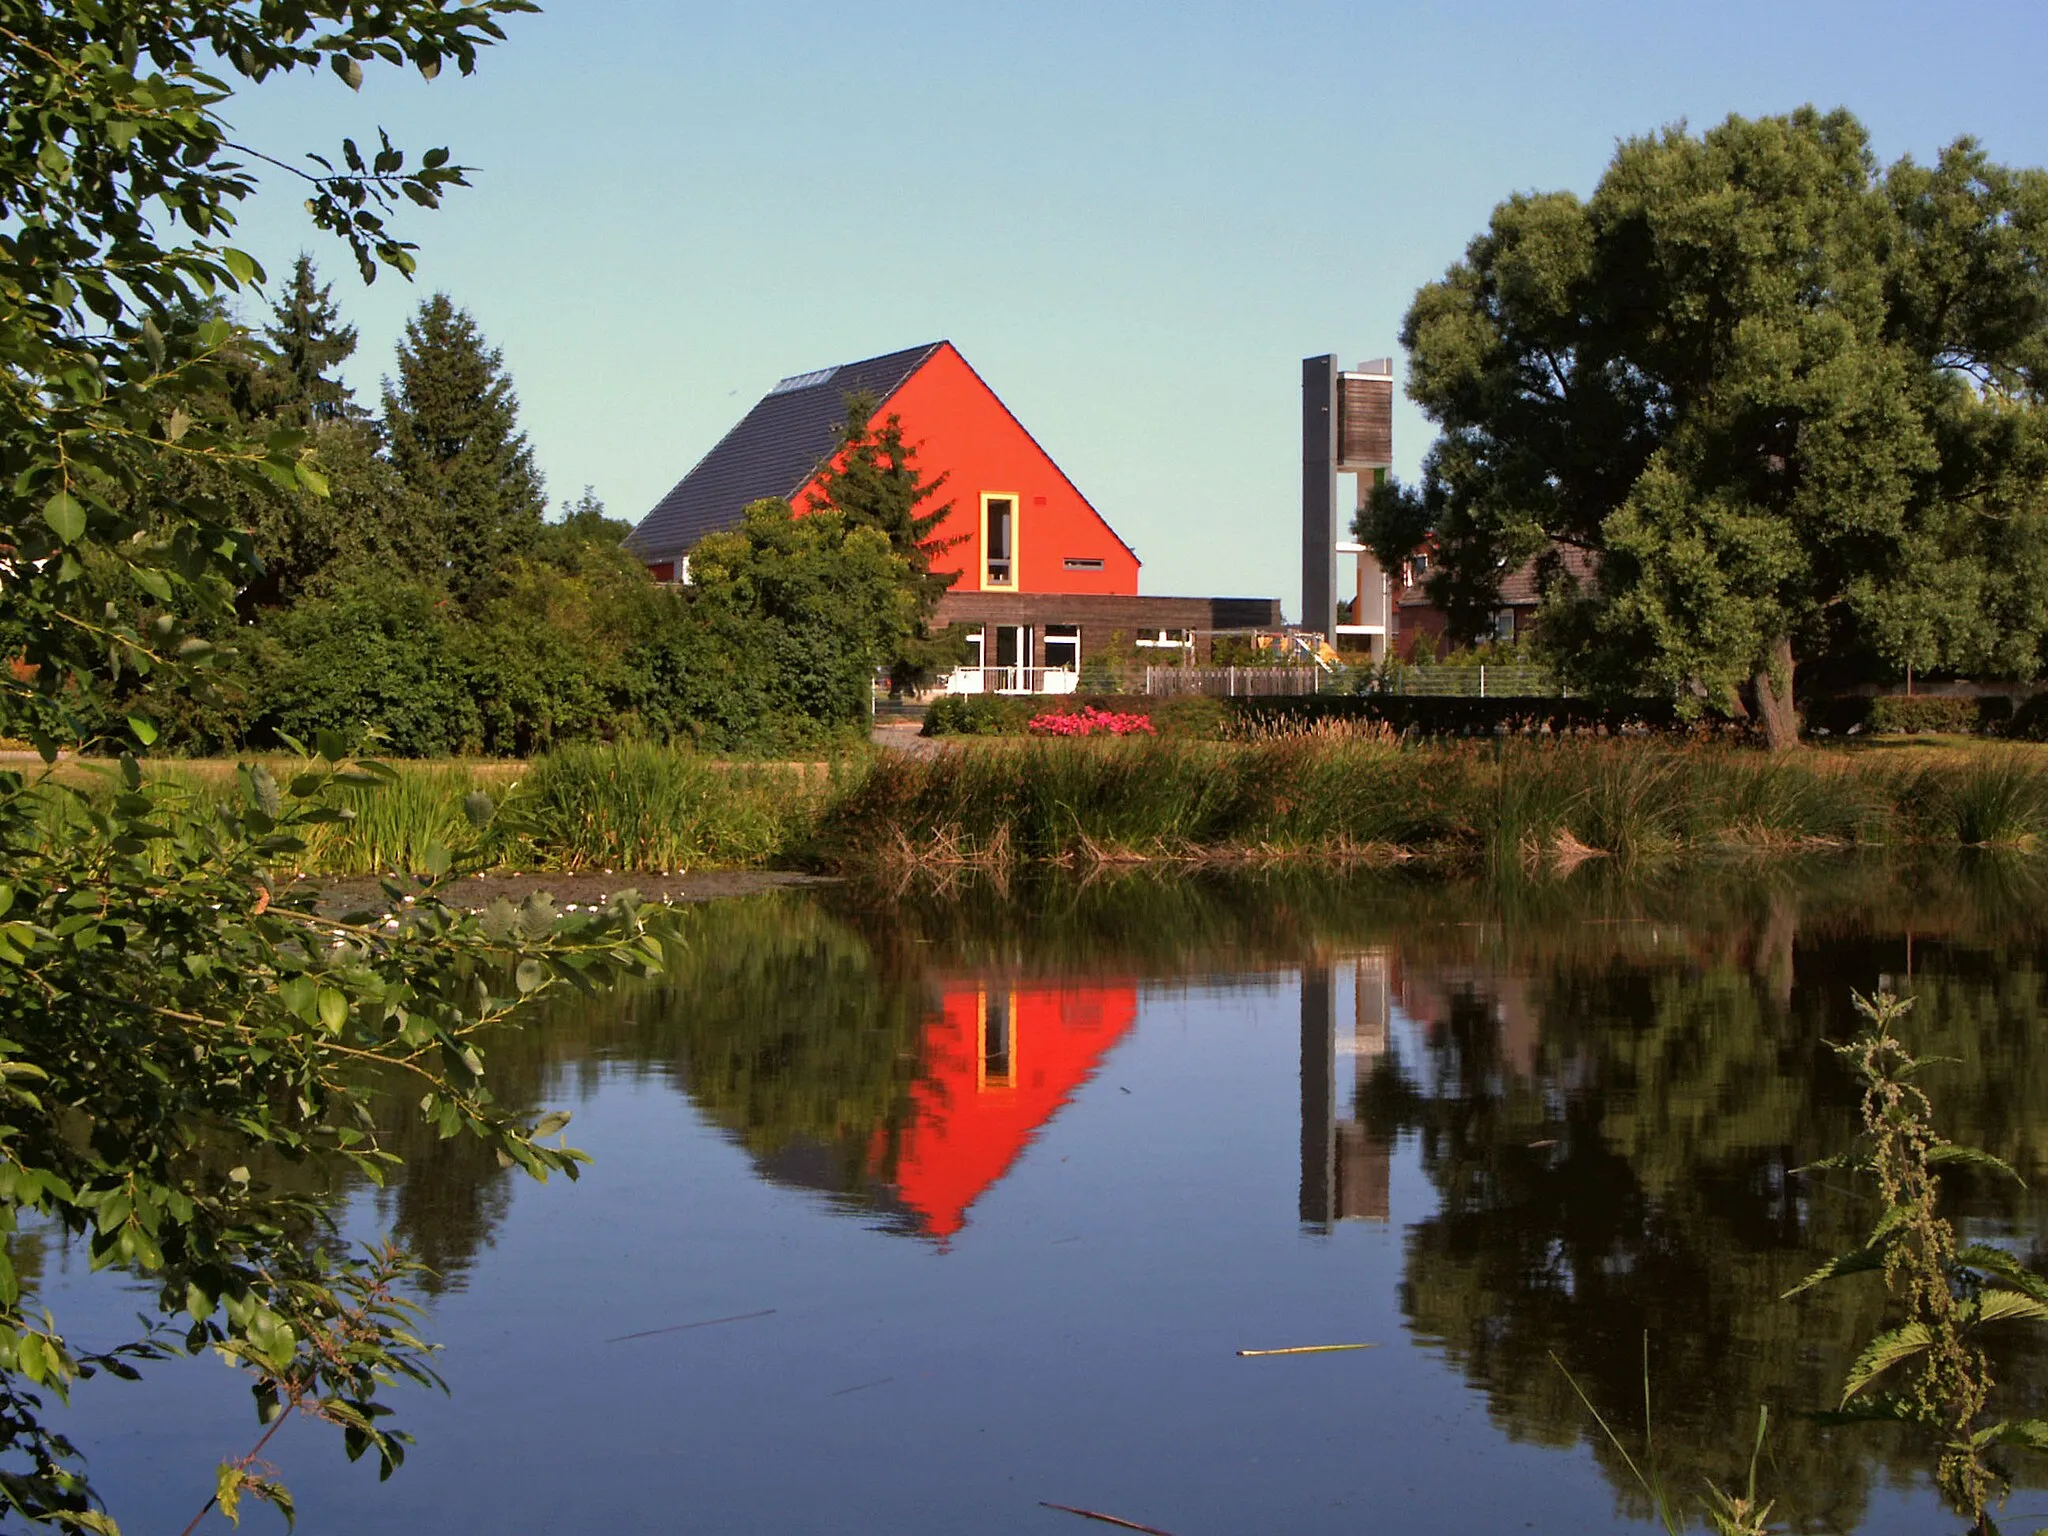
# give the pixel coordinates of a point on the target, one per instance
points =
(1000, 1060)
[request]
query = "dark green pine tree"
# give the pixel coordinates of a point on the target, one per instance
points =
(874, 480)
(309, 342)
(452, 423)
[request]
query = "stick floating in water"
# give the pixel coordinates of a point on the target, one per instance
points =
(1302, 1349)
(709, 1322)
(1090, 1514)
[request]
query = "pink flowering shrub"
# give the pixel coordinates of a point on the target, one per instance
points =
(1090, 721)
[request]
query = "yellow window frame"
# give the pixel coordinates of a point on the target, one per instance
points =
(1016, 540)
(983, 1082)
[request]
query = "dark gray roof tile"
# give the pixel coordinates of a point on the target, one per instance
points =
(774, 451)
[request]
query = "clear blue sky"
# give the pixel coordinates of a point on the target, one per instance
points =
(1133, 218)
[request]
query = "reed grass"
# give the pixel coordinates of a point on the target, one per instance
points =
(660, 808)
(1334, 791)
(1527, 806)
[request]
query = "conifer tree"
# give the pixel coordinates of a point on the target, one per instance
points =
(310, 342)
(874, 481)
(452, 422)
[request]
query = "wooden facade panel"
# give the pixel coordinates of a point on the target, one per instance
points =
(1365, 421)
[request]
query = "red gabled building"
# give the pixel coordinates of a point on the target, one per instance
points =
(1041, 578)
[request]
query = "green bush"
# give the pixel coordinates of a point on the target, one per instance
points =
(1922, 714)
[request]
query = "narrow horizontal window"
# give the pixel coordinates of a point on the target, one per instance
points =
(1078, 563)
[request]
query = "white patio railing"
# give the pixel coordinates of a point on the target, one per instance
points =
(1013, 680)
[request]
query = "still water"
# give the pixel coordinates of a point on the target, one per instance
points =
(910, 1213)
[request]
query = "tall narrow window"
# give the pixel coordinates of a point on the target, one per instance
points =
(999, 541)
(1062, 647)
(998, 1047)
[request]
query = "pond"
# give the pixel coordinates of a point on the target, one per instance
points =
(911, 1212)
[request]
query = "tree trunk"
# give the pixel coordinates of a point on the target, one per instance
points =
(1774, 697)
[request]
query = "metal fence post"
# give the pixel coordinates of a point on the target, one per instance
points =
(1482, 679)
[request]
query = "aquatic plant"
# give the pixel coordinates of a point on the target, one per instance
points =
(1947, 1292)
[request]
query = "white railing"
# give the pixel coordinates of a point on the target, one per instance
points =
(1488, 682)
(1230, 682)
(1013, 680)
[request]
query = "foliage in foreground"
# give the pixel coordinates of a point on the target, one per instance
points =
(1948, 1294)
(177, 1026)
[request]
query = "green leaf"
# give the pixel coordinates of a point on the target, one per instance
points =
(529, 976)
(2028, 1434)
(2007, 1306)
(145, 731)
(154, 582)
(227, 1491)
(552, 1122)
(242, 265)
(65, 516)
(1857, 1262)
(1884, 1352)
(333, 1010)
(479, 808)
(1970, 1157)
(301, 995)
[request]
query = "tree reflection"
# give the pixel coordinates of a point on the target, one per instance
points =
(1629, 1173)
(1610, 1085)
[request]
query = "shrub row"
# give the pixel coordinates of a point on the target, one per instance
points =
(1914, 714)
(1220, 719)
(1202, 718)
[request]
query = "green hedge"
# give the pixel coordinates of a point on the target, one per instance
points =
(1915, 714)
(1210, 719)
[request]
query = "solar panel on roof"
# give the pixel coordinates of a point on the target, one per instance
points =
(798, 381)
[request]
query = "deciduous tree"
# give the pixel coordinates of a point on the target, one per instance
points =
(166, 1001)
(1788, 403)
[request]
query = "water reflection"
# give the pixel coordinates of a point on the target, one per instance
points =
(1346, 1161)
(1571, 1113)
(998, 1057)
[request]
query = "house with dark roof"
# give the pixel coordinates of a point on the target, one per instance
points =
(1041, 580)
(1422, 630)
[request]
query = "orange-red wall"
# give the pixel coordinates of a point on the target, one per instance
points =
(958, 426)
(964, 1133)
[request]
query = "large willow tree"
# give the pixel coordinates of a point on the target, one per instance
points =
(1787, 403)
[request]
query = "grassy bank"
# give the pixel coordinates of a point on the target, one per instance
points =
(1333, 792)
(594, 808)
(1338, 793)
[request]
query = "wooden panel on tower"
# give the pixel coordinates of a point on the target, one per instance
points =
(1365, 421)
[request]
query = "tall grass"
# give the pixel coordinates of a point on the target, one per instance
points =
(659, 808)
(1332, 791)
(1522, 805)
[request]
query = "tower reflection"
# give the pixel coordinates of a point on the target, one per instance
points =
(1345, 1167)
